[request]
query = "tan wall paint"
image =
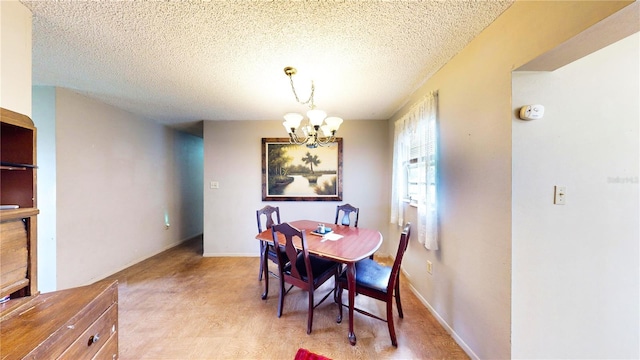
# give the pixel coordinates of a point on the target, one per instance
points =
(233, 158)
(470, 286)
(470, 289)
(15, 63)
(116, 177)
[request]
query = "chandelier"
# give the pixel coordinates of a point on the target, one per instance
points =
(310, 137)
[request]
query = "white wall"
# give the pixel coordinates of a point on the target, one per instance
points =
(576, 266)
(44, 118)
(470, 288)
(117, 175)
(232, 156)
(15, 62)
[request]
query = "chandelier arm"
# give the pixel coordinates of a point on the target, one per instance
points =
(325, 140)
(295, 139)
(312, 138)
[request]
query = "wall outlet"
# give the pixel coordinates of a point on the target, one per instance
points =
(429, 267)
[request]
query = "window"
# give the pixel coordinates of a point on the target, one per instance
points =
(414, 180)
(415, 168)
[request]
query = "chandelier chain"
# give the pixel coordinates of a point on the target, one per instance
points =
(311, 136)
(309, 100)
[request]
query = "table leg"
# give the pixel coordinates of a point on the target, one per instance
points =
(265, 270)
(351, 284)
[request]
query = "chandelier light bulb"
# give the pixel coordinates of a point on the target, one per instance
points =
(292, 120)
(286, 127)
(317, 121)
(316, 116)
(326, 130)
(333, 123)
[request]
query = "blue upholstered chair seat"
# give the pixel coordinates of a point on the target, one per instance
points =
(371, 274)
(379, 282)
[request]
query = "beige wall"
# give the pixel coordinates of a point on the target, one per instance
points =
(576, 282)
(232, 156)
(15, 63)
(470, 289)
(92, 231)
(117, 175)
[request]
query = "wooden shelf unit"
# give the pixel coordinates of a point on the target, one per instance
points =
(78, 323)
(18, 235)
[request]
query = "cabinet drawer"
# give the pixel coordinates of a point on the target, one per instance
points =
(109, 351)
(49, 324)
(96, 335)
(14, 256)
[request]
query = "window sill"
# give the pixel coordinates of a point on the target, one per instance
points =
(412, 203)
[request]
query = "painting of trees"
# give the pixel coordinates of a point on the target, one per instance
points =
(296, 173)
(311, 160)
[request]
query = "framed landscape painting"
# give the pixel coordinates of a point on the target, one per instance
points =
(297, 173)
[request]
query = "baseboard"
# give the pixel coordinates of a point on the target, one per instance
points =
(143, 258)
(231, 255)
(442, 322)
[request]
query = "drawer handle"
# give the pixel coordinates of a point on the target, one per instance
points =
(93, 339)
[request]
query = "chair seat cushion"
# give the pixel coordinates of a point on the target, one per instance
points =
(370, 274)
(271, 253)
(319, 266)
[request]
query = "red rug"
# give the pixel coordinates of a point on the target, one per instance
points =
(304, 354)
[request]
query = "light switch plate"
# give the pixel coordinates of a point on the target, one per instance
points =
(559, 195)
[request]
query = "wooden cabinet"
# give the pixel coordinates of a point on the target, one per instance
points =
(79, 323)
(18, 157)
(18, 209)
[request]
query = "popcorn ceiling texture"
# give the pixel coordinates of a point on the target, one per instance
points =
(183, 61)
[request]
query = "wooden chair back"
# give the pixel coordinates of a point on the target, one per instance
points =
(397, 262)
(305, 271)
(269, 216)
(300, 273)
(266, 215)
(348, 211)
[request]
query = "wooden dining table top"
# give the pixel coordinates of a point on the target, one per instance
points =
(355, 244)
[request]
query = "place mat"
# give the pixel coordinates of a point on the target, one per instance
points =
(331, 237)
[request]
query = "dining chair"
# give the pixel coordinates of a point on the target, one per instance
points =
(267, 216)
(305, 271)
(348, 211)
(379, 282)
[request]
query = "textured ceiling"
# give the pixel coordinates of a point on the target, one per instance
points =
(178, 62)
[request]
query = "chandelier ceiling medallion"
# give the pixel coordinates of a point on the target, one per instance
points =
(311, 132)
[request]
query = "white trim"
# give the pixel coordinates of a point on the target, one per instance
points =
(133, 262)
(444, 324)
(252, 254)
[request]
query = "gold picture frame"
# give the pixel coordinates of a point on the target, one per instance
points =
(293, 172)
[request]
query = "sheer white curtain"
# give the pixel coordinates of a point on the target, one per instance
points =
(415, 138)
(399, 177)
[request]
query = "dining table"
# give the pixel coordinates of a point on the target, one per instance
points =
(343, 244)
